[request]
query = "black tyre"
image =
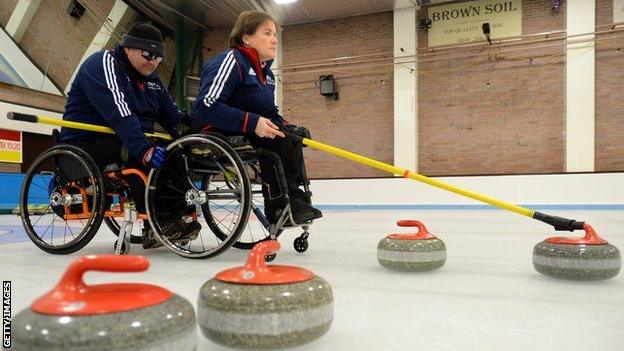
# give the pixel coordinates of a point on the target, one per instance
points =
(125, 248)
(66, 188)
(300, 244)
(202, 178)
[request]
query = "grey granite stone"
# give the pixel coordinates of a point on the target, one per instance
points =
(411, 255)
(265, 316)
(167, 326)
(577, 262)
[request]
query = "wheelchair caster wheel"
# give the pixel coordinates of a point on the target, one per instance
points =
(300, 245)
(125, 248)
(269, 258)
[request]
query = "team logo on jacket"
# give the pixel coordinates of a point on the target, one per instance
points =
(153, 86)
(251, 72)
(270, 80)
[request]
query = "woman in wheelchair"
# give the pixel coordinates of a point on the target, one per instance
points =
(236, 96)
(119, 88)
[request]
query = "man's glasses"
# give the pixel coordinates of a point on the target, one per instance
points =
(150, 56)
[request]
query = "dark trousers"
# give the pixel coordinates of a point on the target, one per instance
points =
(108, 149)
(290, 152)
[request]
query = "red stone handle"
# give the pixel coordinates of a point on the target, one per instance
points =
(590, 238)
(423, 233)
(413, 223)
(71, 296)
(256, 261)
(72, 278)
(256, 271)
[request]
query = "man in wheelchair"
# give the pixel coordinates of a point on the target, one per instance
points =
(236, 96)
(120, 88)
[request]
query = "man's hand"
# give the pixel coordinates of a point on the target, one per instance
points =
(154, 157)
(267, 129)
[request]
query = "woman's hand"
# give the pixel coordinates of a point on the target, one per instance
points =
(267, 129)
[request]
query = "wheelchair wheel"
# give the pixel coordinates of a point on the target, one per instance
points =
(202, 179)
(257, 227)
(67, 181)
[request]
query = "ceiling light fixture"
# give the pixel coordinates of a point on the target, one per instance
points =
(282, 2)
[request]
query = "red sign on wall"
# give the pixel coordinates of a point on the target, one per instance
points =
(10, 146)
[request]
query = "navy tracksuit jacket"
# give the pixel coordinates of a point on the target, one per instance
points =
(104, 93)
(231, 95)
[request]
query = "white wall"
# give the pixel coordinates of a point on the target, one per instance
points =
(25, 126)
(580, 92)
(583, 189)
(24, 67)
(277, 62)
(405, 89)
(618, 11)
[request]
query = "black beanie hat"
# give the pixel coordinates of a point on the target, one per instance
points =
(146, 37)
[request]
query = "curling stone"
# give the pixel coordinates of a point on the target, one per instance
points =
(586, 258)
(261, 306)
(411, 252)
(76, 316)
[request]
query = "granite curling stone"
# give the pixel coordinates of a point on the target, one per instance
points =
(121, 316)
(261, 306)
(411, 252)
(586, 258)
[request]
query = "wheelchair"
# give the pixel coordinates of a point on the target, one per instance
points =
(208, 177)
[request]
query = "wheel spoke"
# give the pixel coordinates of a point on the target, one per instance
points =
(174, 188)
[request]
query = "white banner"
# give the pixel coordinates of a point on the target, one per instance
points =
(461, 23)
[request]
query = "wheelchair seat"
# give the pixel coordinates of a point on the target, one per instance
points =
(238, 142)
(113, 167)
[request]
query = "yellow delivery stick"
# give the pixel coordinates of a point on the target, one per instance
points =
(75, 125)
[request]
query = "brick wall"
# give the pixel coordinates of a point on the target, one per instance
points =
(73, 37)
(215, 41)
(494, 113)
(362, 119)
(6, 9)
(609, 101)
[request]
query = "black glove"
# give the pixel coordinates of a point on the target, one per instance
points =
(299, 130)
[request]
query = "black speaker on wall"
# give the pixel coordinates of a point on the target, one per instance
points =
(327, 87)
(75, 9)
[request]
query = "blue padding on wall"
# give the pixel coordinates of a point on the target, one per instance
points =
(11, 186)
